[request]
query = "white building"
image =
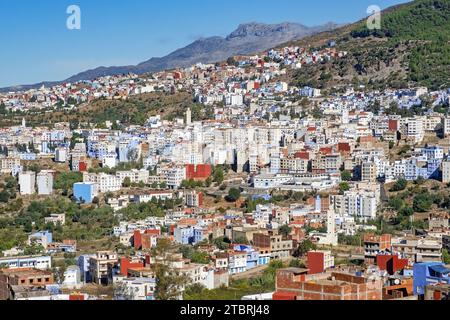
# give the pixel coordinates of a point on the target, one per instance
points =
(262, 213)
(72, 278)
(134, 175)
(56, 218)
(38, 262)
(234, 100)
(45, 182)
(359, 204)
(446, 126)
(415, 129)
(330, 238)
(268, 181)
(9, 164)
(174, 176)
(149, 196)
(446, 171)
(105, 182)
(27, 181)
(193, 199)
(135, 289)
(109, 160)
(61, 155)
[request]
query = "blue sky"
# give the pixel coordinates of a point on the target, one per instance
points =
(37, 46)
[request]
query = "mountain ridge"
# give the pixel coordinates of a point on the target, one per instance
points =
(248, 38)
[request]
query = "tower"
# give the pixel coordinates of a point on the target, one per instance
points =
(345, 116)
(331, 228)
(24, 123)
(318, 204)
(188, 117)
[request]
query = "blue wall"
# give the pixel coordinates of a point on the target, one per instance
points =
(82, 191)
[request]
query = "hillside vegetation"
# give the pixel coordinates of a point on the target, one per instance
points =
(412, 48)
(134, 110)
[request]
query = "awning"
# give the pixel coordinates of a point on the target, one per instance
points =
(440, 269)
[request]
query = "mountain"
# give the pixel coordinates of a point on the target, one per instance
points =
(412, 48)
(246, 39)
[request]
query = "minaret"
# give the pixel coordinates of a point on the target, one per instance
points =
(188, 117)
(24, 123)
(345, 116)
(318, 204)
(331, 228)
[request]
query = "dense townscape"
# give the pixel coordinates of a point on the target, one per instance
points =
(257, 189)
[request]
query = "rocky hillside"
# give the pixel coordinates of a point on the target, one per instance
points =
(412, 48)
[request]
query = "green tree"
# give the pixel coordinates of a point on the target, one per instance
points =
(349, 240)
(422, 202)
(343, 187)
(396, 203)
(126, 182)
(200, 257)
(399, 185)
(163, 185)
(346, 175)
(445, 256)
(222, 243)
(3, 109)
(218, 175)
(285, 230)
(303, 248)
(169, 282)
(296, 263)
(66, 180)
(233, 195)
(420, 180)
(241, 240)
(4, 196)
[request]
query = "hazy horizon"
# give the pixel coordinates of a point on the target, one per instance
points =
(39, 47)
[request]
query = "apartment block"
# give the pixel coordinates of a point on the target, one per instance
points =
(45, 182)
(319, 261)
(27, 183)
(294, 284)
(26, 277)
(100, 266)
(375, 245)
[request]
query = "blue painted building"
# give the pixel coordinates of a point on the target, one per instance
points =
(252, 255)
(42, 237)
(263, 260)
(85, 191)
(83, 264)
(183, 235)
(28, 156)
(188, 235)
(198, 235)
(124, 150)
(429, 273)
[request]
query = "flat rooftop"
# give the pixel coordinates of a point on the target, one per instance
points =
(25, 272)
